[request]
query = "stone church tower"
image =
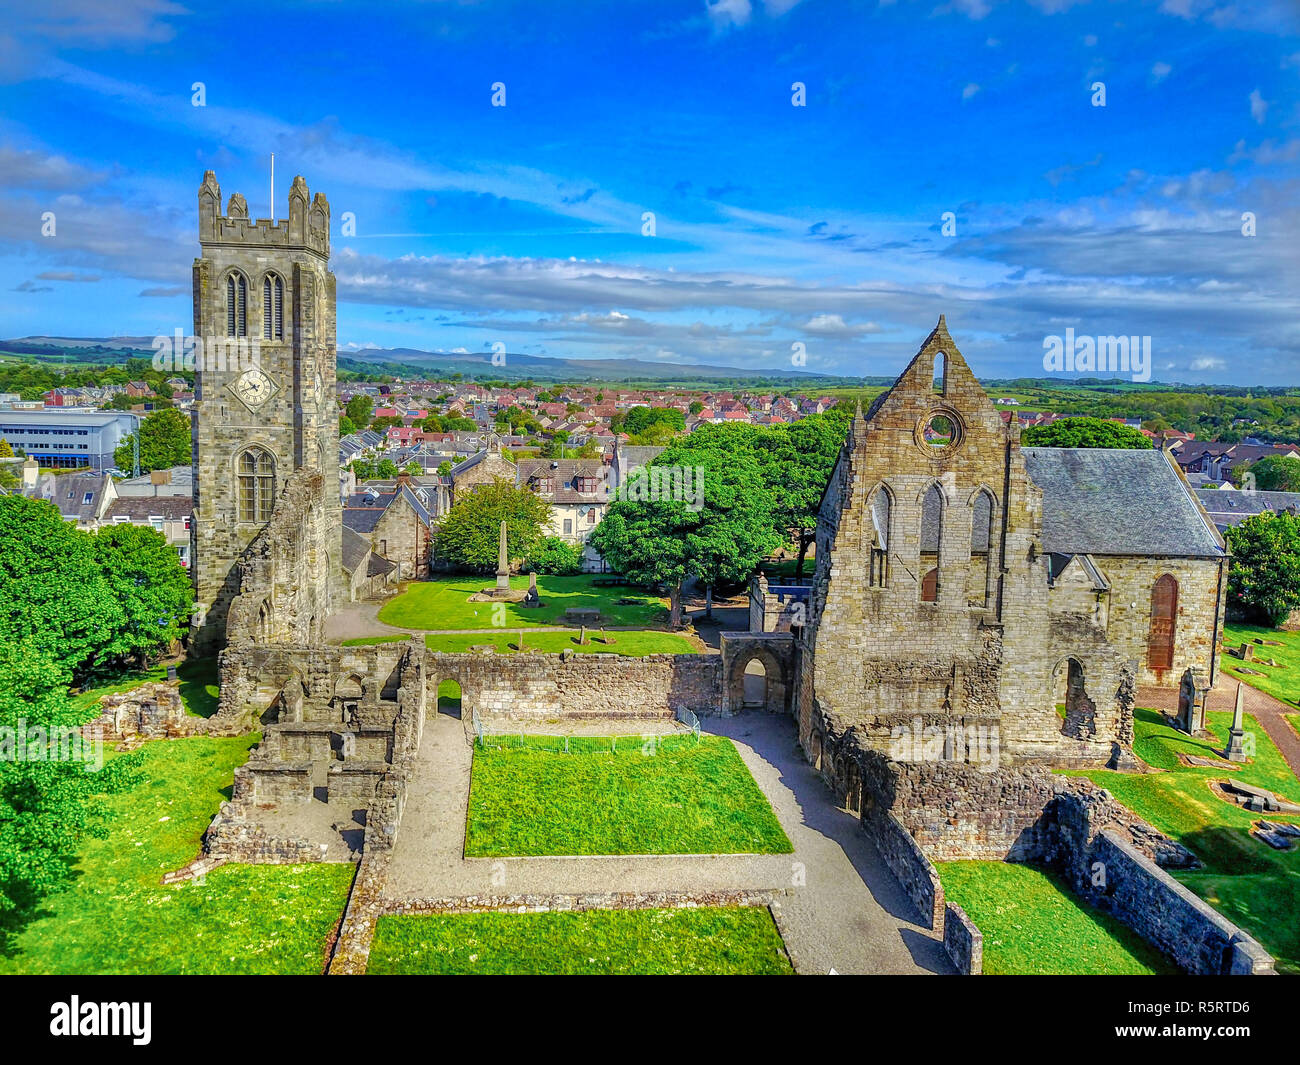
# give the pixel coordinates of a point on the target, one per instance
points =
(264, 302)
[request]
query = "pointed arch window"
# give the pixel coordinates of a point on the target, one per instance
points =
(272, 308)
(236, 305)
(981, 548)
(880, 511)
(932, 508)
(256, 473)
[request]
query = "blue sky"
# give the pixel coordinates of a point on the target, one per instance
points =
(774, 224)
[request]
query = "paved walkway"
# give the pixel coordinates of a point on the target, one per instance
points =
(847, 912)
(1265, 708)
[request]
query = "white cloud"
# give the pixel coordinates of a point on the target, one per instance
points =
(1258, 106)
(727, 13)
(970, 90)
(1160, 71)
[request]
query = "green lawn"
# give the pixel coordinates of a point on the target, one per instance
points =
(370, 641)
(704, 940)
(443, 603)
(198, 687)
(1248, 882)
(1282, 681)
(1294, 721)
(1033, 924)
(682, 797)
(118, 918)
(624, 643)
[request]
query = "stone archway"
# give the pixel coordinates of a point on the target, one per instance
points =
(757, 671)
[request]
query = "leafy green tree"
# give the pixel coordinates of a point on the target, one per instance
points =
(53, 594)
(47, 805)
(641, 419)
(458, 425)
(164, 442)
(1273, 473)
(718, 535)
(413, 468)
(696, 406)
(444, 468)
(359, 409)
(387, 469)
(385, 422)
(470, 534)
(6, 452)
(795, 461)
(346, 426)
(1264, 578)
(150, 585)
(1085, 432)
(550, 554)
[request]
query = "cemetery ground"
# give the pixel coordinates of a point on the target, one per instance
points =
(1281, 681)
(118, 918)
(1243, 878)
(442, 603)
(507, 641)
(678, 794)
(703, 940)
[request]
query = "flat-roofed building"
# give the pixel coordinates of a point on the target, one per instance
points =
(67, 439)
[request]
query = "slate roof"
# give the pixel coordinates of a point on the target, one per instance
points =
(141, 508)
(1110, 501)
(355, 549)
(1228, 507)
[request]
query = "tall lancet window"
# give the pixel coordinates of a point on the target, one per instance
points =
(931, 542)
(272, 308)
(880, 507)
(236, 305)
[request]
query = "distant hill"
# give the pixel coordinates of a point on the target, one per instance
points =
(409, 361)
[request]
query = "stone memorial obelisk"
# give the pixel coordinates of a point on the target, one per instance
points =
(503, 564)
(1236, 752)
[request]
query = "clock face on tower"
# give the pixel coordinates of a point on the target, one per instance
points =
(253, 387)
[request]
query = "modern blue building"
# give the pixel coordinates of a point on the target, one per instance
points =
(67, 439)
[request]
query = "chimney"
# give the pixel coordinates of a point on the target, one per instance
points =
(31, 471)
(158, 477)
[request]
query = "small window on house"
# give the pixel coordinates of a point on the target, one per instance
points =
(568, 526)
(88, 497)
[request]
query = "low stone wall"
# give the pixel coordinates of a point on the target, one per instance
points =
(533, 688)
(1200, 940)
(356, 782)
(963, 942)
(233, 838)
(911, 868)
(280, 782)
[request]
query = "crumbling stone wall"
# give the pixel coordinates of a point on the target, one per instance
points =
(284, 590)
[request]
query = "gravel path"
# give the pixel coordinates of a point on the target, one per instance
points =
(846, 912)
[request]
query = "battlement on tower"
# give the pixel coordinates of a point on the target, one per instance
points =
(307, 228)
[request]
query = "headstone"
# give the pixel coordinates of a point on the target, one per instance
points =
(1236, 752)
(171, 673)
(1247, 652)
(582, 634)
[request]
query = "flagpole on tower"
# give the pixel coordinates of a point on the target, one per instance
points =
(273, 188)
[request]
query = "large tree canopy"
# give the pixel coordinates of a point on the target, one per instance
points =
(1273, 473)
(716, 529)
(1264, 578)
(470, 534)
(86, 599)
(47, 804)
(794, 462)
(164, 442)
(1085, 432)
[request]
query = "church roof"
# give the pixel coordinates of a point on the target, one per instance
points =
(1111, 501)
